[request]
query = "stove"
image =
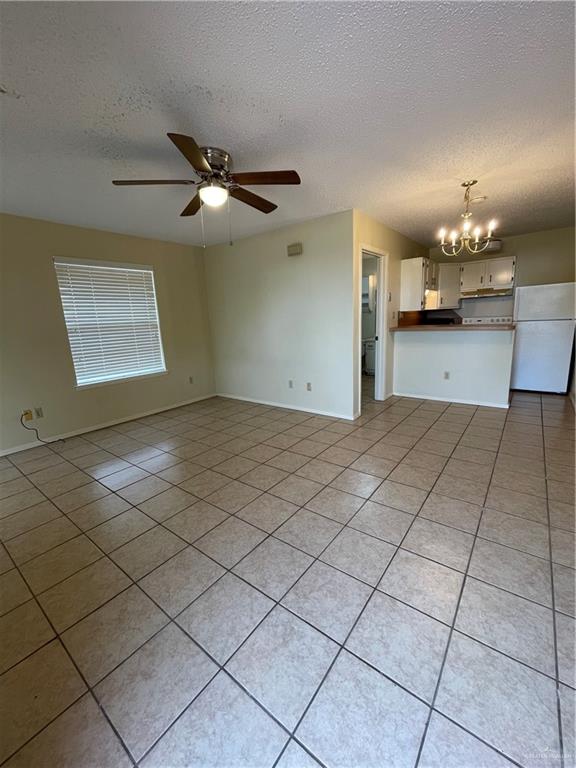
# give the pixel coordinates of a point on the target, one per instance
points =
(498, 320)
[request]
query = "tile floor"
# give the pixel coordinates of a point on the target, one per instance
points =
(228, 584)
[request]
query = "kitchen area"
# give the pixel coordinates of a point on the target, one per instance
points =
(467, 333)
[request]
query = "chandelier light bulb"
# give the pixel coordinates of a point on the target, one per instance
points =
(442, 236)
(453, 236)
(491, 227)
(213, 194)
(466, 226)
(477, 233)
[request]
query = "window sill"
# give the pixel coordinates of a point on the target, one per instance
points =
(126, 379)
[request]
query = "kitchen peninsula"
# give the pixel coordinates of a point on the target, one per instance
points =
(461, 363)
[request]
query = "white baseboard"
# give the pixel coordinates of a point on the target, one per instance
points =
(94, 428)
(482, 403)
(273, 404)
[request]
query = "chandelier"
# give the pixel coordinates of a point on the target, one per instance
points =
(470, 240)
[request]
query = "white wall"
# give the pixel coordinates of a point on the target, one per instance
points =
(35, 362)
(275, 318)
(479, 364)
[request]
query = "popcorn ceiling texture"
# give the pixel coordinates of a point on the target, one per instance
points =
(385, 107)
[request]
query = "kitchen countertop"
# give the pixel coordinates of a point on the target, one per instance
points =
(455, 327)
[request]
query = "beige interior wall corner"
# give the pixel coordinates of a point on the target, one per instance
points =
(35, 362)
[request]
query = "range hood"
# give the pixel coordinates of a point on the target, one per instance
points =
(479, 293)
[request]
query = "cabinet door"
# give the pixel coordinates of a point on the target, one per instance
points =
(412, 284)
(500, 273)
(448, 286)
(472, 276)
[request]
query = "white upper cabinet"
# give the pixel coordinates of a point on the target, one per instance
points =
(472, 276)
(448, 286)
(500, 273)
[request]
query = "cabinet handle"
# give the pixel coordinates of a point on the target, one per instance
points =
(490, 279)
(441, 299)
(481, 279)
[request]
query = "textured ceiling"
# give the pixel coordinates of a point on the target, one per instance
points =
(381, 106)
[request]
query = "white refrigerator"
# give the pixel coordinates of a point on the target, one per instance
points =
(545, 321)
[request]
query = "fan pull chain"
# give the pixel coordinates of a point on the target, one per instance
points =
(229, 222)
(202, 225)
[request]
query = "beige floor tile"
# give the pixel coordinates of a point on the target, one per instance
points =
(195, 521)
(13, 591)
(223, 617)
(108, 636)
(406, 498)
(232, 497)
(147, 551)
(296, 489)
(267, 512)
(22, 631)
(166, 504)
(230, 542)
(308, 531)
(79, 497)
(79, 738)
(35, 542)
(80, 594)
(382, 522)
(33, 693)
(221, 725)
(120, 529)
(98, 511)
(471, 491)
(180, 580)
(453, 512)
(205, 483)
(145, 694)
(20, 501)
(516, 503)
(27, 519)
(59, 563)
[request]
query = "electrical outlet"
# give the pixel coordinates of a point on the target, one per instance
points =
(191, 379)
(446, 374)
(309, 386)
(290, 383)
(38, 412)
(27, 415)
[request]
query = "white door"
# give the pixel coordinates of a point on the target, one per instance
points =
(472, 276)
(449, 286)
(542, 354)
(500, 273)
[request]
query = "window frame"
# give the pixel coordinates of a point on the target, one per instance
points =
(122, 266)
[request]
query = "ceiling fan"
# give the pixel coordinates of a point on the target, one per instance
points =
(217, 181)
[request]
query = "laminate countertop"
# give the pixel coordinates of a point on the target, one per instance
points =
(452, 328)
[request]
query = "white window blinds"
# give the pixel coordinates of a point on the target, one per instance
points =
(112, 320)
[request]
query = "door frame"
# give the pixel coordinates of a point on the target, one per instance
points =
(382, 299)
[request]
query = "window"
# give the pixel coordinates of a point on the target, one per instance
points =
(112, 320)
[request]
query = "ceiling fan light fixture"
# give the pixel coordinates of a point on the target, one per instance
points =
(213, 194)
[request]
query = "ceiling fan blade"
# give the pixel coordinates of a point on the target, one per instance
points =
(266, 177)
(193, 206)
(191, 152)
(251, 199)
(145, 182)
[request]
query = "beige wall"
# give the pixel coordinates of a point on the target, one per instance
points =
(35, 362)
(541, 257)
(276, 318)
(371, 234)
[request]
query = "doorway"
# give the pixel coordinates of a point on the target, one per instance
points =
(372, 348)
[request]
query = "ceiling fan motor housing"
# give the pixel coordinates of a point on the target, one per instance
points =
(218, 159)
